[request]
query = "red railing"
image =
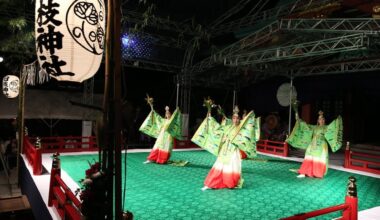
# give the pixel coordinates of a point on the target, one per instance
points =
(33, 155)
(184, 144)
(273, 147)
(363, 161)
(67, 144)
(349, 208)
(61, 197)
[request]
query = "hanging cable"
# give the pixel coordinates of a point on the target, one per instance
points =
(125, 176)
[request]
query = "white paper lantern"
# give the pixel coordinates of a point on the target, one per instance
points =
(70, 37)
(11, 85)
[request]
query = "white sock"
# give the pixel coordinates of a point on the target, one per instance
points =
(205, 188)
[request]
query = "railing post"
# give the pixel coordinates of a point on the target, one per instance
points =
(347, 155)
(55, 170)
(352, 200)
(37, 161)
(265, 145)
(286, 149)
(127, 215)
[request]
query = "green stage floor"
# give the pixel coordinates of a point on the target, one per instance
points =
(270, 190)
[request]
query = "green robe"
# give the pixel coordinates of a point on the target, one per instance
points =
(224, 141)
(213, 136)
(163, 129)
(315, 139)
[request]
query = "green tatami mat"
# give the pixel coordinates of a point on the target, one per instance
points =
(270, 190)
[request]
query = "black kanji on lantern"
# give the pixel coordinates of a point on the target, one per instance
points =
(54, 68)
(47, 12)
(49, 40)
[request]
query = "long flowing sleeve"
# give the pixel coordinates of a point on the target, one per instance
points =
(226, 121)
(175, 125)
(152, 124)
(301, 135)
(257, 128)
(209, 135)
(246, 137)
(334, 134)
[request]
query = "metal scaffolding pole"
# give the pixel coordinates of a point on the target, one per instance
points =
(340, 25)
(341, 67)
(250, 41)
(267, 15)
(290, 103)
(314, 48)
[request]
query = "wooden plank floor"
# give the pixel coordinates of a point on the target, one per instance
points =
(14, 204)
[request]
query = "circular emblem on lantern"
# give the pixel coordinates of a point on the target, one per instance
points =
(85, 23)
(11, 86)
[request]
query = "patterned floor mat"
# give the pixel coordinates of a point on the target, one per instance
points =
(270, 189)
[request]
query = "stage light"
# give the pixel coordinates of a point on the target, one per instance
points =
(1, 59)
(127, 41)
(136, 46)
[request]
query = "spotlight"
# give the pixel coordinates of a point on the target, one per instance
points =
(1, 59)
(135, 46)
(127, 41)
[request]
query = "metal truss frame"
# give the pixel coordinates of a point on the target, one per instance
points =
(341, 67)
(346, 25)
(250, 41)
(314, 48)
(274, 13)
(357, 66)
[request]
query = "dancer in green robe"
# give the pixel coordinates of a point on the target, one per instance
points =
(224, 141)
(315, 139)
(227, 122)
(164, 129)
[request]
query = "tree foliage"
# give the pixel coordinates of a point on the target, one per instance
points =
(17, 33)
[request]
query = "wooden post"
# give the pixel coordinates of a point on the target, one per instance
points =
(111, 163)
(347, 153)
(55, 170)
(352, 200)
(20, 121)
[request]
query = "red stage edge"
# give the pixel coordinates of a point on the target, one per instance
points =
(33, 155)
(60, 196)
(349, 208)
(273, 147)
(351, 160)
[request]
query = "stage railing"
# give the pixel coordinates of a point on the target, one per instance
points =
(67, 144)
(186, 143)
(367, 160)
(61, 197)
(349, 207)
(273, 147)
(33, 156)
